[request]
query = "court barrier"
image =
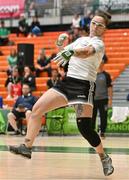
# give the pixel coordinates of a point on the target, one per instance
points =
(3, 120)
(117, 127)
(62, 121)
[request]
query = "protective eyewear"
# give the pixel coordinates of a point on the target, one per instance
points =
(98, 24)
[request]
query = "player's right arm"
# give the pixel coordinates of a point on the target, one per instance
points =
(84, 52)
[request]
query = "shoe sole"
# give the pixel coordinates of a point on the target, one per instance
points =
(22, 155)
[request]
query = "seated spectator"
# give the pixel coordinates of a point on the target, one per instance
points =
(35, 28)
(54, 79)
(13, 84)
(29, 78)
(43, 64)
(4, 34)
(22, 109)
(22, 26)
(12, 60)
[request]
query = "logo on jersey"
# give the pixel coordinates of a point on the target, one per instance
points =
(81, 96)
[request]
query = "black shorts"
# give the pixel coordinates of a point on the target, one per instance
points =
(76, 91)
(18, 115)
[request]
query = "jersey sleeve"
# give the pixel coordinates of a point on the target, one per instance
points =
(97, 44)
(71, 46)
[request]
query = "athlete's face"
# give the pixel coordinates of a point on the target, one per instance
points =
(97, 26)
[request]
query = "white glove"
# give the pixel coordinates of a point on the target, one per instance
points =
(63, 57)
(62, 37)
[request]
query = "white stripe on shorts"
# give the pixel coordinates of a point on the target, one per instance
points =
(91, 90)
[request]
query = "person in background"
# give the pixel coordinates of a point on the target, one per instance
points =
(33, 9)
(12, 60)
(76, 21)
(43, 64)
(22, 26)
(73, 34)
(13, 84)
(54, 79)
(29, 78)
(4, 34)
(102, 99)
(35, 28)
(22, 109)
(85, 21)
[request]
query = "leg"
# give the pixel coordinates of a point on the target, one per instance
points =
(27, 114)
(9, 89)
(37, 72)
(84, 118)
(84, 114)
(12, 118)
(94, 116)
(103, 115)
(47, 102)
(49, 71)
(12, 121)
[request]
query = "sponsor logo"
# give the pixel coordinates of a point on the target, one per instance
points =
(81, 96)
(72, 117)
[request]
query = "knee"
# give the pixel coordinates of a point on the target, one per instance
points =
(10, 115)
(35, 115)
(84, 124)
(37, 111)
(85, 128)
(28, 112)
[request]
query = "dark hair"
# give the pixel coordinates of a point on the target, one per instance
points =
(105, 15)
(21, 106)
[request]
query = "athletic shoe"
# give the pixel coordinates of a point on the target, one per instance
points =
(17, 132)
(21, 150)
(108, 169)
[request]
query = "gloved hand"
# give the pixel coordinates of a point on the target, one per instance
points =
(62, 37)
(63, 57)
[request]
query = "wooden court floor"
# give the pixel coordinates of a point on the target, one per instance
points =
(63, 158)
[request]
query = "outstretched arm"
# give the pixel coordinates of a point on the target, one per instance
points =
(64, 56)
(84, 52)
